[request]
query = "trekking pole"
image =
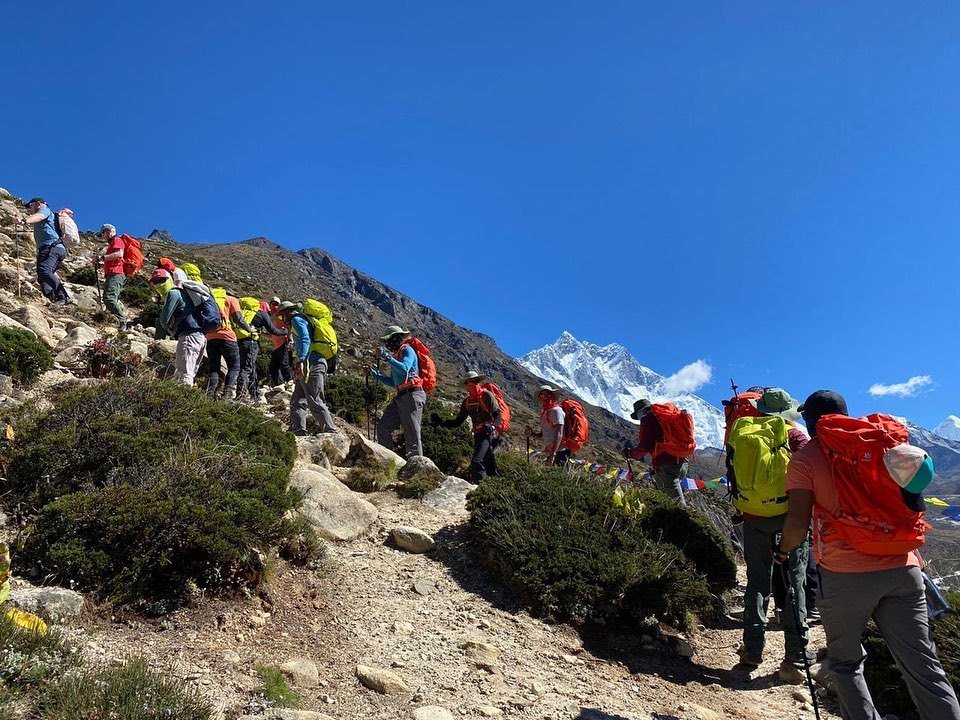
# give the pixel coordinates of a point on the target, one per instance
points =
(369, 406)
(528, 449)
(16, 245)
(792, 599)
(96, 272)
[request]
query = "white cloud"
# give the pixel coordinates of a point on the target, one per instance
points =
(905, 389)
(689, 378)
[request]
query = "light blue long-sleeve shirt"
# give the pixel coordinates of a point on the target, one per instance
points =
(400, 370)
(300, 331)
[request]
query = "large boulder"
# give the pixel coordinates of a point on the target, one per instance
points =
(8, 322)
(85, 296)
(31, 317)
(421, 467)
(78, 335)
(451, 496)
(332, 508)
(368, 452)
(53, 602)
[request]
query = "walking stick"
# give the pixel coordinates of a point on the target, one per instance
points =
(528, 449)
(16, 245)
(369, 406)
(792, 599)
(96, 272)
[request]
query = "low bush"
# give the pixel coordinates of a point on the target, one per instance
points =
(85, 275)
(147, 493)
(885, 678)
(137, 292)
(370, 474)
(350, 397)
(110, 357)
(22, 356)
(275, 689)
(132, 691)
(449, 448)
(559, 543)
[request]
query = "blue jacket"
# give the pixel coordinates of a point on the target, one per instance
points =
(300, 332)
(178, 310)
(399, 369)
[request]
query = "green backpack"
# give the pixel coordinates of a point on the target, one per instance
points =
(761, 452)
(323, 338)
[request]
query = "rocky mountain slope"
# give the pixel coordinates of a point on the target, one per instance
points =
(946, 459)
(610, 377)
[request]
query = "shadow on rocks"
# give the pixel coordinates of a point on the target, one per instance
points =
(594, 714)
(459, 555)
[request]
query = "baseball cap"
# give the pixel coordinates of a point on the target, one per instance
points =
(824, 402)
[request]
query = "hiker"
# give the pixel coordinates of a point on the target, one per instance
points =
(258, 321)
(552, 418)
(758, 450)
(189, 311)
(490, 416)
(864, 572)
(310, 331)
(50, 251)
(222, 347)
(666, 435)
(280, 355)
(114, 277)
(167, 264)
(406, 407)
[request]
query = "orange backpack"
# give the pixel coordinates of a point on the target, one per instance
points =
(576, 427)
(428, 370)
(737, 407)
(504, 425)
(874, 518)
(132, 255)
(677, 427)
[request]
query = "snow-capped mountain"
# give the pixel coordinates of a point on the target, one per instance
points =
(949, 428)
(611, 378)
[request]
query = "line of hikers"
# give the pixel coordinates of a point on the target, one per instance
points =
(854, 486)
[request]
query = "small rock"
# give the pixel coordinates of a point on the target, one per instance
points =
(703, 713)
(800, 696)
(231, 657)
(432, 712)
(423, 587)
(538, 689)
(481, 652)
(302, 673)
(381, 681)
(807, 707)
(402, 628)
(54, 602)
(412, 539)
(489, 711)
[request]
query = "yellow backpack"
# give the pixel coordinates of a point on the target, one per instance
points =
(249, 306)
(323, 338)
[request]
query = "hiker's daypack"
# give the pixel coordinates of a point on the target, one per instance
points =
(742, 405)
(677, 429)
(576, 427)
(220, 295)
(132, 255)
(504, 425)
(203, 306)
(428, 370)
(874, 518)
(323, 338)
(761, 452)
(249, 306)
(66, 228)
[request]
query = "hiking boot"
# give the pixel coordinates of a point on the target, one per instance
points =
(749, 659)
(791, 674)
(813, 616)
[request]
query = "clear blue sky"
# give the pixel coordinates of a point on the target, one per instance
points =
(772, 187)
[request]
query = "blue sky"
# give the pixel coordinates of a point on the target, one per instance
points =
(771, 187)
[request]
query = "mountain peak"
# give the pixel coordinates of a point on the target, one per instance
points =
(949, 428)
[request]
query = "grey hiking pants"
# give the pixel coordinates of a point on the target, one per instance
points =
(668, 476)
(308, 394)
(896, 601)
(758, 537)
(189, 355)
(405, 409)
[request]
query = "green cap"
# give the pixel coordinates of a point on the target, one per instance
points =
(639, 406)
(777, 401)
(394, 330)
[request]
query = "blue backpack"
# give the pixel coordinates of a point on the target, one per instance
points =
(204, 309)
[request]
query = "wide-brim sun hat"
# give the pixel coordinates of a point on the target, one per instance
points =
(547, 388)
(287, 305)
(472, 375)
(777, 402)
(393, 331)
(638, 406)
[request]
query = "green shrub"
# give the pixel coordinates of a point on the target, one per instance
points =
(557, 541)
(299, 541)
(22, 356)
(263, 359)
(137, 292)
(110, 357)
(132, 691)
(449, 448)
(85, 275)
(885, 678)
(148, 493)
(350, 397)
(275, 689)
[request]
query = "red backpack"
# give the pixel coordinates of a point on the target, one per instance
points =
(576, 427)
(428, 370)
(504, 425)
(677, 428)
(737, 407)
(132, 255)
(874, 519)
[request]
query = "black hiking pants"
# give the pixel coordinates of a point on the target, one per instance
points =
(280, 371)
(247, 383)
(484, 461)
(218, 350)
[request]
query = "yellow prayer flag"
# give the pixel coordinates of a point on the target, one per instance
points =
(936, 501)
